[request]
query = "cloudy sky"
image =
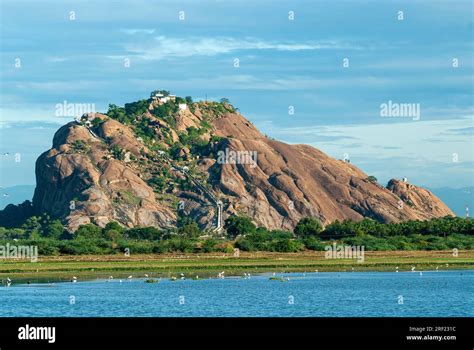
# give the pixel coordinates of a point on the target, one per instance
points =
(331, 62)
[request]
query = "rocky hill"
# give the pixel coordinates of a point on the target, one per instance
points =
(160, 160)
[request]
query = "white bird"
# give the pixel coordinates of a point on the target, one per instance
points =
(274, 274)
(396, 269)
(413, 269)
(182, 276)
(437, 268)
(9, 284)
(74, 279)
(220, 275)
(130, 278)
(146, 275)
(8, 279)
(316, 271)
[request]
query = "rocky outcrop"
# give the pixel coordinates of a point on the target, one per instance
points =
(80, 181)
(104, 170)
(293, 181)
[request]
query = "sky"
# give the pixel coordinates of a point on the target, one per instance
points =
(314, 72)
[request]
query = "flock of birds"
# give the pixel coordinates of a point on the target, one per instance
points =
(220, 275)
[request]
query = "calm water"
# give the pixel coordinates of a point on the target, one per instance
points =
(444, 293)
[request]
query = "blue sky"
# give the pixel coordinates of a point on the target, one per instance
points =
(283, 63)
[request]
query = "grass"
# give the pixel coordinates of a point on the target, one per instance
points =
(62, 268)
(130, 198)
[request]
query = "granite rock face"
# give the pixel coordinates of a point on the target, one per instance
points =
(105, 170)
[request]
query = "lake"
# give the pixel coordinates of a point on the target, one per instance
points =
(328, 294)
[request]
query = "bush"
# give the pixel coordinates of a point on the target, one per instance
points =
(113, 225)
(118, 152)
(53, 229)
(136, 108)
(246, 245)
(278, 234)
(190, 230)
(136, 246)
(144, 233)
(239, 225)
(308, 227)
(209, 245)
(118, 113)
(372, 179)
(313, 243)
(286, 246)
(88, 231)
(84, 246)
(179, 244)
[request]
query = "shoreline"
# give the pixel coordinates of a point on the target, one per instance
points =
(92, 267)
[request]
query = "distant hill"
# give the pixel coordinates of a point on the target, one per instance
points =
(457, 199)
(15, 194)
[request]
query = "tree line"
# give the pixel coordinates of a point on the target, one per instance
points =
(240, 232)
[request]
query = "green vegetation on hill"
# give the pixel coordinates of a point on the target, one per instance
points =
(155, 124)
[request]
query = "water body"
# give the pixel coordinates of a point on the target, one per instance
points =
(329, 294)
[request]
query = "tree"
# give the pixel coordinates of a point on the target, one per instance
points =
(209, 245)
(136, 108)
(239, 225)
(117, 113)
(113, 225)
(372, 179)
(96, 122)
(118, 152)
(148, 233)
(88, 231)
(163, 92)
(286, 246)
(190, 230)
(54, 229)
(308, 226)
(189, 100)
(32, 227)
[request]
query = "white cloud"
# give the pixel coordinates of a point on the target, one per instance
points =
(133, 31)
(163, 46)
(251, 82)
(56, 59)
